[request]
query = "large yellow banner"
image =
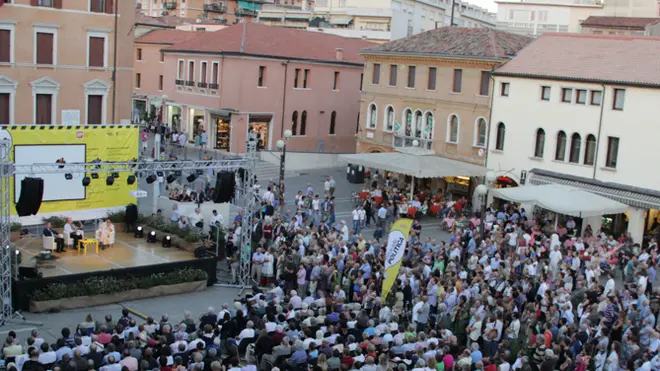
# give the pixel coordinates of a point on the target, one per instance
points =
(396, 247)
(33, 144)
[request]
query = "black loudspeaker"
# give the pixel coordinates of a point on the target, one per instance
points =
(225, 186)
(131, 214)
(356, 174)
(29, 201)
(29, 272)
(200, 252)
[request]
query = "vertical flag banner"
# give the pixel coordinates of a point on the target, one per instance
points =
(396, 247)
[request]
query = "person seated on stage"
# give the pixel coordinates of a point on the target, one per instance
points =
(106, 231)
(183, 223)
(73, 231)
(59, 239)
(196, 220)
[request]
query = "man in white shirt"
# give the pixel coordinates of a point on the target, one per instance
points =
(217, 219)
(268, 196)
(356, 219)
(343, 229)
(195, 219)
(609, 286)
(257, 263)
(295, 301)
(316, 210)
(247, 333)
(71, 230)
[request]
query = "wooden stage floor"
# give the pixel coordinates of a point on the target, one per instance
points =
(126, 252)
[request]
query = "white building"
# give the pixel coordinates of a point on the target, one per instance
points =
(582, 110)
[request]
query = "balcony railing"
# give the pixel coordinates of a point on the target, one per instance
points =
(213, 86)
(241, 12)
(171, 5)
(401, 141)
(215, 7)
(190, 83)
(202, 85)
(178, 82)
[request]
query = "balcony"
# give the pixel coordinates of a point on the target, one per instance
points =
(401, 141)
(190, 83)
(215, 7)
(213, 86)
(241, 12)
(202, 85)
(171, 5)
(178, 82)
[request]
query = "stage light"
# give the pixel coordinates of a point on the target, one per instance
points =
(199, 172)
(151, 238)
(191, 178)
(110, 180)
(167, 241)
(139, 232)
(95, 175)
(171, 178)
(130, 179)
(60, 161)
(115, 175)
(151, 178)
(86, 181)
(68, 176)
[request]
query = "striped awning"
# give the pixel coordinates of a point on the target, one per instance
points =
(631, 196)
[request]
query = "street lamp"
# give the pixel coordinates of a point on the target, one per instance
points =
(482, 193)
(281, 145)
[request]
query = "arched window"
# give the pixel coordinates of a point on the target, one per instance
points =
(408, 119)
(452, 129)
(590, 150)
(303, 123)
(372, 117)
(389, 118)
(333, 119)
(480, 133)
(419, 124)
(499, 140)
(294, 123)
(540, 143)
(560, 150)
(428, 127)
(576, 143)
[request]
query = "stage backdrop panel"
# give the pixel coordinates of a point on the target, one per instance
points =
(46, 144)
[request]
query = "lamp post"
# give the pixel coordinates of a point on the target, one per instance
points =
(482, 191)
(281, 145)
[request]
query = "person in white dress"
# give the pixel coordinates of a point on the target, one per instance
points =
(267, 270)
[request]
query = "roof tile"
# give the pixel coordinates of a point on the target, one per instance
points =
(167, 37)
(619, 22)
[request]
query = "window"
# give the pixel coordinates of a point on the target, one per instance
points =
(619, 99)
(294, 123)
(97, 52)
(361, 80)
(5, 107)
(458, 81)
(191, 71)
(180, 73)
(101, 6)
(504, 89)
(305, 86)
(214, 73)
(452, 129)
(612, 152)
(372, 116)
(419, 123)
(44, 109)
(539, 143)
(428, 127)
(590, 150)
(202, 74)
(393, 72)
(45, 52)
(389, 118)
(333, 120)
(545, 93)
(411, 77)
(485, 83)
(566, 95)
(138, 80)
(408, 119)
(480, 133)
(296, 76)
(375, 74)
(262, 76)
(576, 143)
(303, 122)
(560, 150)
(162, 57)
(94, 110)
(335, 81)
(499, 140)
(47, 3)
(433, 72)
(581, 96)
(596, 97)
(6, 45)
(139, 54)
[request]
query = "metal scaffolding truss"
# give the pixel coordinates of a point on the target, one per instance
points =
(245, 198)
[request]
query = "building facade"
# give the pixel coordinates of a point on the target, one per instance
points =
(434, 89)
(223, 11)
(563, 122)
(230, 81)
(57, 60)
(630, 26)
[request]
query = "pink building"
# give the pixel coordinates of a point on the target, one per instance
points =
(266, 78)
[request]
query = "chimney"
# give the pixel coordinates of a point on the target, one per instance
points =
(339, 54)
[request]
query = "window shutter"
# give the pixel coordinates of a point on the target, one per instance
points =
(44, 48)
(4, 108)
(109, 7)
(58, 4)
(96, 51)
(5, 45)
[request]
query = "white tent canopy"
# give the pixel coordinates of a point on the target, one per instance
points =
(562, 199)
(415, 162)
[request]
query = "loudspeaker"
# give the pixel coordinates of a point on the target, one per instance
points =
(131, 217)
(200, 252)
(29, 201)
(29, 272)
(225, 186)
(356, 174)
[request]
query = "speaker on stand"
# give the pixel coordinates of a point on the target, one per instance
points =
(225, 185)
(32, 193)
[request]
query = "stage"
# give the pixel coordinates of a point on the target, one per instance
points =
(127, 252)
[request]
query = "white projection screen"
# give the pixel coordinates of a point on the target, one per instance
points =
(56, 187)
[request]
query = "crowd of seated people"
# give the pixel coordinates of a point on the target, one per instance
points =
(186, 194)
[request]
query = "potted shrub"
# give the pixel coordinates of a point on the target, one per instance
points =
(15, 231)
(56, 221)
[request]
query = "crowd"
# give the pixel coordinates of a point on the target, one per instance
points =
(506, 292)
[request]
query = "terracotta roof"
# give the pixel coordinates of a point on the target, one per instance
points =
(459, 42)
(274, 41)
(166, 37)
(166, 21)
(619, 22)
(596, 58)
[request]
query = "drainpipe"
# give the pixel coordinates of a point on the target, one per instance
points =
(600, 128)
(490, 116)
(114, 64)
(286, 70)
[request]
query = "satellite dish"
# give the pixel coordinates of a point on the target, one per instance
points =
(481, 152)
(6, 143)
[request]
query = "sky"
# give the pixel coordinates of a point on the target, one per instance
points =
(488, 4)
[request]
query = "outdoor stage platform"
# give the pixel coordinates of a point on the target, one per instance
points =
(127, 252)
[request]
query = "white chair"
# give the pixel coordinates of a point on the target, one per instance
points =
(68, 241)
(109, 239)
(49, 243)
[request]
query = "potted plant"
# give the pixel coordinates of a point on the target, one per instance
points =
(15, 231)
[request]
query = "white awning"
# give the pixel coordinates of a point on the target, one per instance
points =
(341, 20)
(562, 199)
(414, 162)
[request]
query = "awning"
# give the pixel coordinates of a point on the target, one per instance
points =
(562, 199)
(249, 5)
(414, 162)
(341, 20)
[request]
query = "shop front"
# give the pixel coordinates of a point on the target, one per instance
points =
(173, 117)
(221, 123)
(261, 126)
(195, 124)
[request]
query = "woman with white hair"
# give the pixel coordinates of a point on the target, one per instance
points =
(247, 333)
